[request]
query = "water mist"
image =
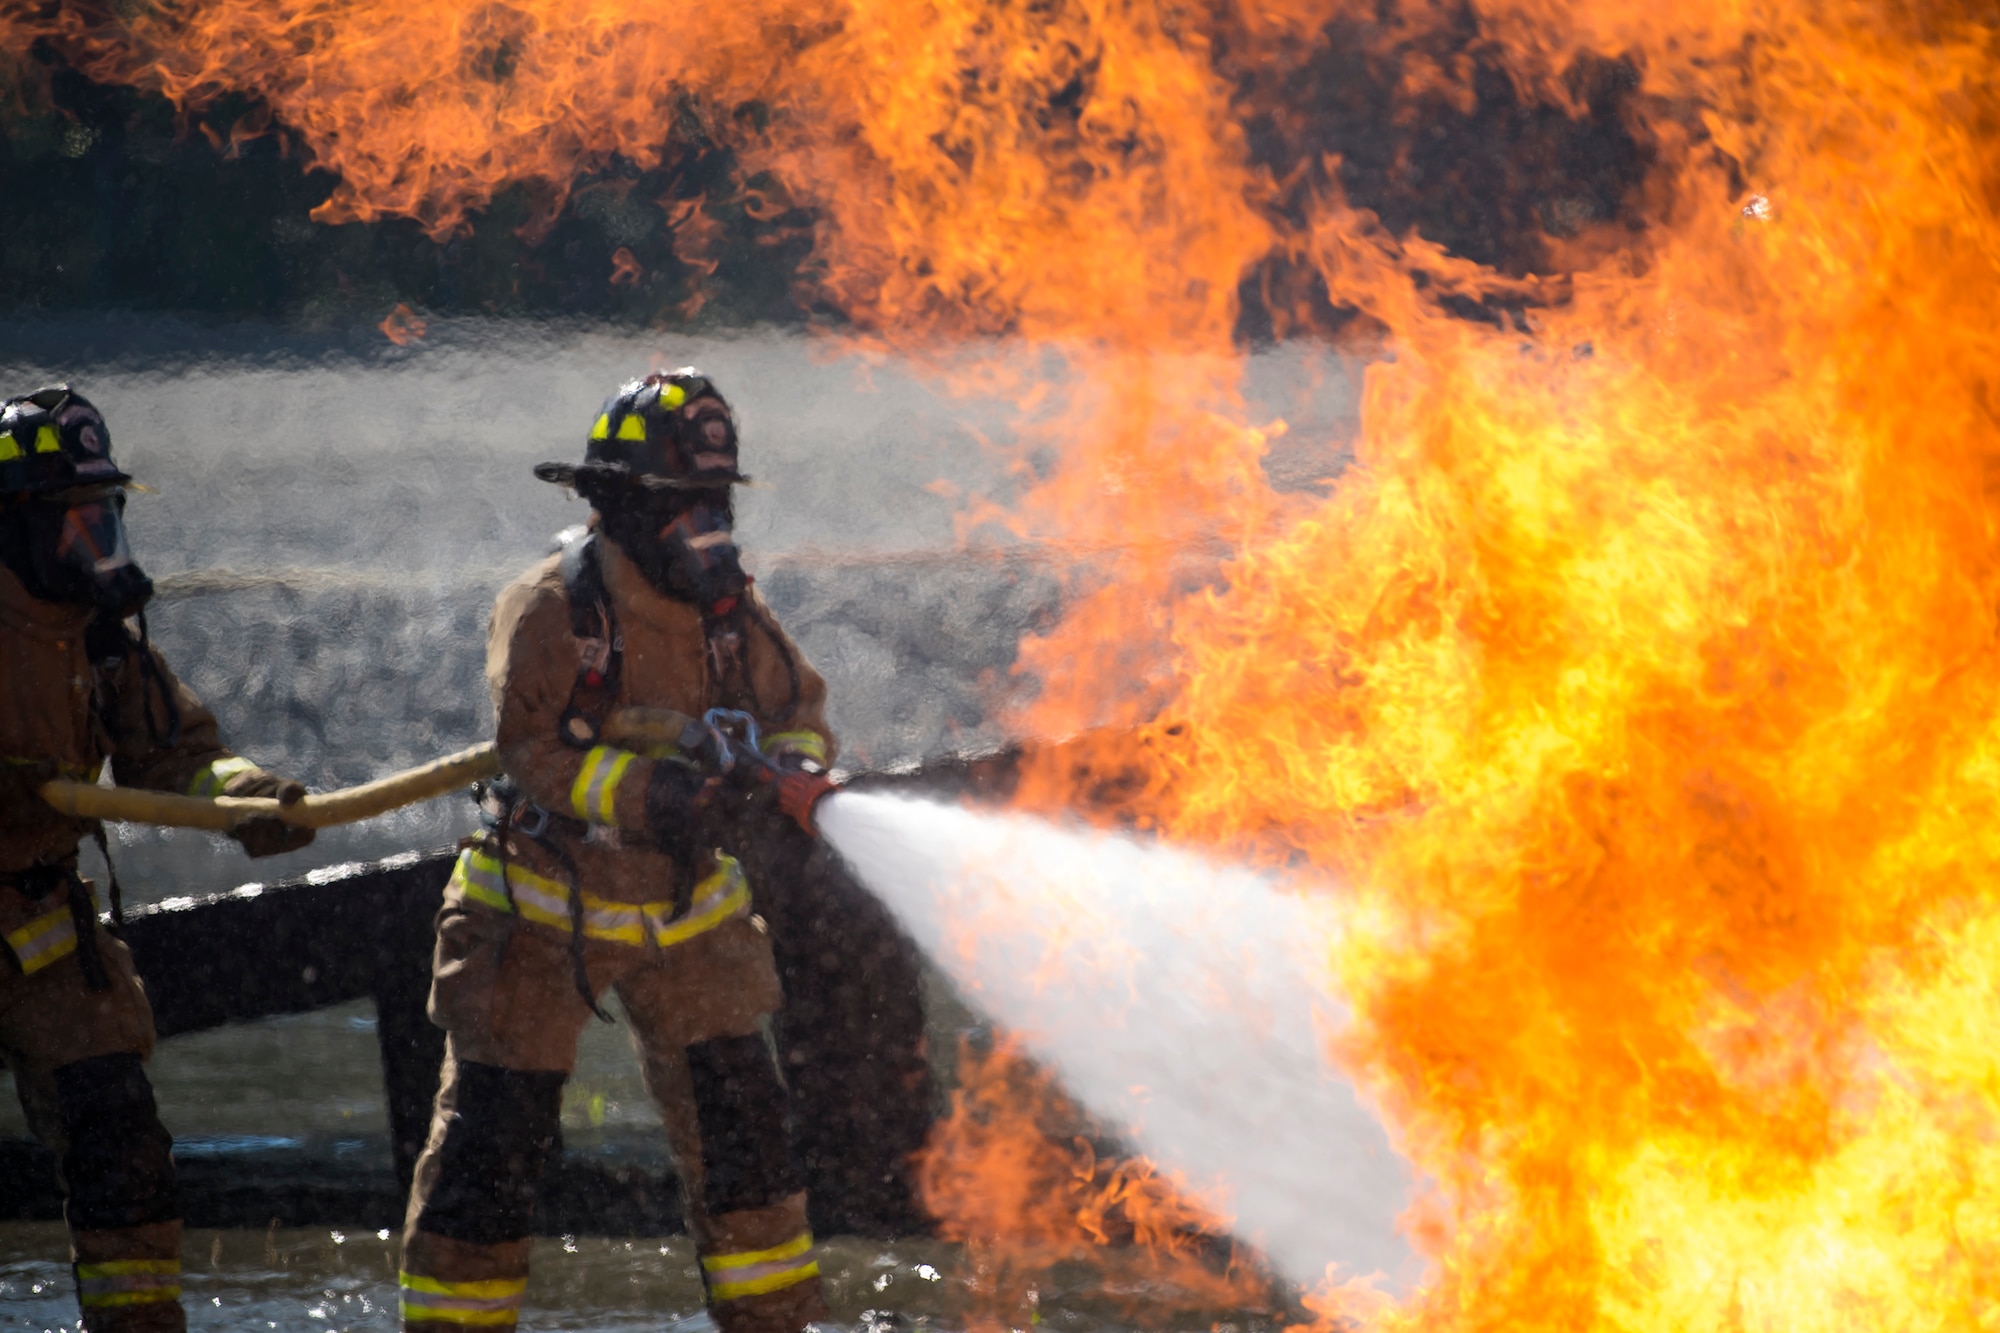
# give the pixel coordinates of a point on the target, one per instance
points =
(1185, 1003)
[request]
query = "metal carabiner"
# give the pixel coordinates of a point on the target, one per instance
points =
(736, 739)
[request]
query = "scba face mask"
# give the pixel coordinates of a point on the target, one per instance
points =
(71, 548)
(685, 545)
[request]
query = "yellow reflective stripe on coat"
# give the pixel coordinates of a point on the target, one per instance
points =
(50, 936)
(594, 794)
(481, 1304)
(716, 899)
(128, 1282)
(754, 1272)
(545, 901)
(809, 744)
(212, 778)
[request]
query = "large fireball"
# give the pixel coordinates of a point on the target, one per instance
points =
(1639, 674)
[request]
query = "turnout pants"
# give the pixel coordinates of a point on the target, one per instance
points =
(504, 991)
(78, 1056)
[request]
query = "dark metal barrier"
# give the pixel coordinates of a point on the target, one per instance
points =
(851, 1037)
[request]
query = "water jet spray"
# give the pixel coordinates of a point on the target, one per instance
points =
(1185, 1002)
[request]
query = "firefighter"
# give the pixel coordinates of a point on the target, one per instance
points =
(83, 687)
(604, 868)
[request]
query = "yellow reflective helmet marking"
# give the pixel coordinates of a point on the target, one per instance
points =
(632, 428)
(46, 441)
(672, 396)
(10, 448)
(602, 430)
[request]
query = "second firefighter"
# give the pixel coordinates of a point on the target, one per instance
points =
(602, 870)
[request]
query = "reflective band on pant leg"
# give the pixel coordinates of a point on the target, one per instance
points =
(746, 1144)
(488, 1304)
(731, 1277)
(128, 1282)
(119, 1166)
(490, 1164)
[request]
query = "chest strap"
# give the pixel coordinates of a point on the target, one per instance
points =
(601, 659)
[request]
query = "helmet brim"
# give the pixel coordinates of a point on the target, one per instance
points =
(567, 474)
(96, 473)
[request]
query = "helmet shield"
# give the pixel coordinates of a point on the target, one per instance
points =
(62, 509)
(71, 547)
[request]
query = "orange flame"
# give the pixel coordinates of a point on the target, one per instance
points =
(402, 325)
(1009, 1173)
(1640, 673)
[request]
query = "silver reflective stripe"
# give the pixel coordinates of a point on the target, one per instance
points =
(481, 874)
(755, 1272)
(594, 794)
(725, 893)
(483, 1303)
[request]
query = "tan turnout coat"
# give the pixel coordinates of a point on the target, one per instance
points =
(532, 658)
(49, 1015)
(45, 714)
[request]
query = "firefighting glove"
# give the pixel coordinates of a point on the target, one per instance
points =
(267, 835)
(688, 812)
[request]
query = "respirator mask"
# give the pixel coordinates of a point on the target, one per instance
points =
(70, 547)
(682, 541)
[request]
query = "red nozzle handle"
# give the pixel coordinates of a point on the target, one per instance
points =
(799, 792)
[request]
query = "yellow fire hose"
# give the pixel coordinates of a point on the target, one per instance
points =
(129, 805)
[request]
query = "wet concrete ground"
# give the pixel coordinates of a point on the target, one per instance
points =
(332, 1281)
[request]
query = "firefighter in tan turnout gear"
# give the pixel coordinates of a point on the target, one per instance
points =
(605, 868)
(82, 688)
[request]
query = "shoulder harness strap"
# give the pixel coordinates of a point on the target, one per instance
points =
(602, 648)
(108, 641)
(600, 657)
(729, 659)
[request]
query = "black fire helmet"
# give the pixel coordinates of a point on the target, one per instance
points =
(664, 432)
(54, 440)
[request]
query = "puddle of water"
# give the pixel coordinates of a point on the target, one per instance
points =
(335, 1281)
